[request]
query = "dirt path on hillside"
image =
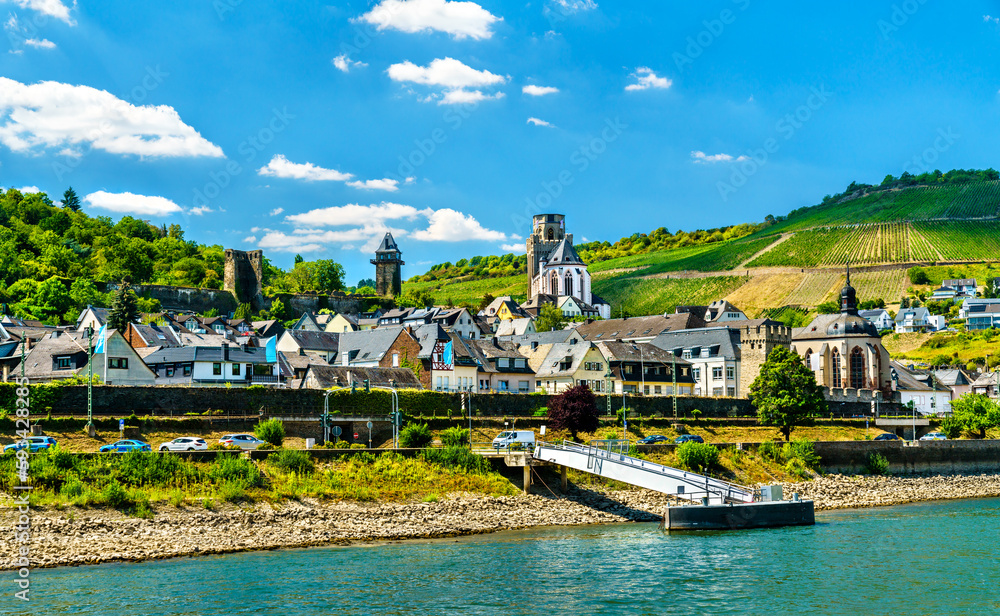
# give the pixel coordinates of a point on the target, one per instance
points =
(782, 238)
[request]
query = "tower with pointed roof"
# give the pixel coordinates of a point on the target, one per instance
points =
(554, 267)
(388, 264)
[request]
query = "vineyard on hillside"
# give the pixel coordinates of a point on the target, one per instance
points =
(471, 291)
(813, 290)
(722, 256)
(658, 295)
(969, 200)
(889, 286)
(964, 240)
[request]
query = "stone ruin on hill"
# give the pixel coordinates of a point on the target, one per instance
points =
(244, 274)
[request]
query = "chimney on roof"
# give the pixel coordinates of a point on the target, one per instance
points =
(225, 351)
(302, 351)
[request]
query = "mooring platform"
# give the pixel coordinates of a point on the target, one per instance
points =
(739, 516)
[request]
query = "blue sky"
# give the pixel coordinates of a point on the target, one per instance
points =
(313, 128)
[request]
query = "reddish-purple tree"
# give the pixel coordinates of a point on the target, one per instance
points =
(575, 410)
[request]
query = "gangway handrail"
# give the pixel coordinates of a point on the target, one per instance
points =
(710, 485)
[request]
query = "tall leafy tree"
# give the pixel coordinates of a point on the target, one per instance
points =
(785, 392)
(124, 307)
(976, 413)
(549, 319)
(575, 410)
(70, 200)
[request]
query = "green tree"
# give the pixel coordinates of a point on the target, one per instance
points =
(828, 308)
(124, 307)
(785, 392)
(487, 299)
(575, 410)
(70, 200)
(919, 276)
(277, 310)
(976, 413)
(243, 311)
(549, 319)
(328, 276)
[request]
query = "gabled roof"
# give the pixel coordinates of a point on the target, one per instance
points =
(326, 342)
(872, 314)
(333, 376)
(986, 379)
(550, 366)
(266, 329)
(368, 345)
(906, 380)
(539, 338)
(492, 349)
(637, 352)
(246, 355)
(722, 341)
(953, 377)
(515, 327)
(563, 253)
(154, 335)
(638, 327)
(427, 336)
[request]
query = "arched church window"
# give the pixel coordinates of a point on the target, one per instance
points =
(569, 285)
(551, 234)
(857, 368)
(837, 381)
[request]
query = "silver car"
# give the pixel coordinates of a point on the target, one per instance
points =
(185, 443)
(243, 441)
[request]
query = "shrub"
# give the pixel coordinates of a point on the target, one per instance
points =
(455, 437)
(271, 431)
(240, 470)
(459, 458)
(232, 492)
(575, 410)
(802, 450)
(876, 464)
(951, 427)
(114, 495)
(697, 456)
(358, 446)
(415, 435)
(341, 445)
(769, 450)
(72, 488)
(292, 461)
(541, 412)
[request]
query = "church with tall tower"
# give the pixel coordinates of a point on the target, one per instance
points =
(388, 264)
(554, 267)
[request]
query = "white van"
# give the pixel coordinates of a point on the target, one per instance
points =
(515, 439)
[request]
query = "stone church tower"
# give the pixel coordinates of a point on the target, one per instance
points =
(548, 230)
(388, 264)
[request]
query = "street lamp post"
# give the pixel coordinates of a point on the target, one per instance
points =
(609, 387)
(90, 378)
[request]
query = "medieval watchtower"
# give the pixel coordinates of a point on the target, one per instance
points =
(388, 264)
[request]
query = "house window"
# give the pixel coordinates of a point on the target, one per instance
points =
(686, 354)
(170, 369)
(717, 392)
(186, 370)
(523, 386)
(717, 373)
(657, 390)
(236, 369)
(118, 363)
(63, 363)
(503, 362)
(730, 373)
(696, 372)
(217, 369)
(395, 360)
(519, 363)
(645, 390)
(731, 392)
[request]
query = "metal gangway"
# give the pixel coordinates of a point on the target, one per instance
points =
(607, 458)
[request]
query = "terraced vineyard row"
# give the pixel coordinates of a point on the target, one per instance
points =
(710, 258)
(862, 245)
(889, 286)
(963, 240)
(812, 291)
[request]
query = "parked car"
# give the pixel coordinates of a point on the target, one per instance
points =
(934, 436)
(689, 438)
(887, 436)
(514, 439)
(243, 441)
(124, 445)
(185, 443)
(35, 443)
(652, 439)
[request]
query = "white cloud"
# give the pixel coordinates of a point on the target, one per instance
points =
(988, 18)
(315, 241)
(577, 5)
(250, 239)
(201, 209)
(700, 157)
(383, 184)
(24, 190)
(514, 248)
(128, 203)
(447, 225)
(52, 114)
(647, 79)
(459, 19)
(275, 212)
(40, 44)
(255, 229)
(538, 122)
(343, 63)
(52, 8)
(460, 96)
(281, 167)
(446, 72)
(354, 214)
(533, 90)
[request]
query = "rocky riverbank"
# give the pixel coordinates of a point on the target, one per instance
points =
(92, 536)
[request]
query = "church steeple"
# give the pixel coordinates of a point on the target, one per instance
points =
(848, 296)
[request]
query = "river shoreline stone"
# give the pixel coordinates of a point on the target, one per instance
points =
(96, 536)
